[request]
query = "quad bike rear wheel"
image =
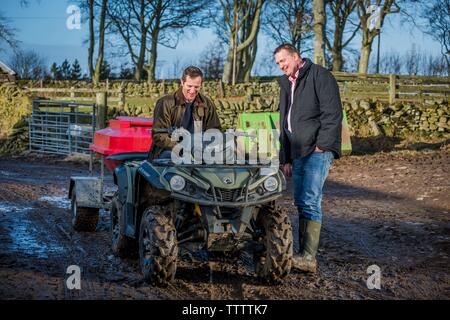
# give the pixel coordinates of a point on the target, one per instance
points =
(158, 248)
(122, 245)
(274, 262)
(83, 218)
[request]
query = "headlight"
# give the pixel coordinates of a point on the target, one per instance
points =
(177, 183)
(271, 184)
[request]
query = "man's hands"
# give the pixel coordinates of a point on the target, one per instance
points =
(317, 149)
(287, 169)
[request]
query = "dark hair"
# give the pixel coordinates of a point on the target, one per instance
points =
(192, 72)
(288, 47)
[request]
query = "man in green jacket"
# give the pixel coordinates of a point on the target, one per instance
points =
(185, 108)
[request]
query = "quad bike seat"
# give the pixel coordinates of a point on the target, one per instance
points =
(127, 156)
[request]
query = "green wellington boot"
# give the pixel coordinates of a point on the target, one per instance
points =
(309, 236)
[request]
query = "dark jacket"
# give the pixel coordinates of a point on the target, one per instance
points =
(316, 116)
(169, 112)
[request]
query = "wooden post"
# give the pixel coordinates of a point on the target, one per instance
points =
(249, 94)
(102, 110)
(163, 87)
(72, 92)
(392, 88)
(220, 89)
(121, 97)
(421, 96)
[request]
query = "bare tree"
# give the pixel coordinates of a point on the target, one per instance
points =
(434, 65)
(177, 67)
(28, 65)
(437, 66)
(7, 33)
(143, 24)
(91, 39)
(101, 44)
(289, 21)
(98, 23)
(238, 26)
(341, 12)
(437, 16)
(391, 63)
(212, 60)
(125, 72)
(368, 35)
(319, 31)
(412, 60)
(351, 63)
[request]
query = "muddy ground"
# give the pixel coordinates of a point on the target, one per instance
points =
(389, 209)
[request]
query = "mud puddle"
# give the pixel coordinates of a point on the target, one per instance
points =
(58, 201)
(22, 236)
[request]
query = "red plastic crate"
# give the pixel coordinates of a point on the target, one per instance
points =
(124, 134)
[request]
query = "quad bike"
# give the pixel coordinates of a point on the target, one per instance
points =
(161, 206)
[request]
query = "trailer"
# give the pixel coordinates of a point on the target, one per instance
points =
(125, 139)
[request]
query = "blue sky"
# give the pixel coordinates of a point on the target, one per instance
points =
(42, 27)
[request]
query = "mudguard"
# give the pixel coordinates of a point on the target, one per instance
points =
(88, 191)
(125, 177)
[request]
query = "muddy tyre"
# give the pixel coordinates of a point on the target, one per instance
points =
(122, 245)
(83, 218)
(274, 261)
(158, 248)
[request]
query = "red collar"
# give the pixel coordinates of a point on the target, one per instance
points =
(294, 77)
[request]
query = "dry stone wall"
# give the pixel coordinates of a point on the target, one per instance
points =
(366, 117)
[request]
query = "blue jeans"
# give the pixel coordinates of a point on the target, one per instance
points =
(308, 175)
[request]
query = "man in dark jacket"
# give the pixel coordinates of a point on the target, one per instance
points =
(186, 108)
(310, 137)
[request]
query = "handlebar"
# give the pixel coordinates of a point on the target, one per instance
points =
(163, 130)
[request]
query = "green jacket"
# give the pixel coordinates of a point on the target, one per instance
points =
(169, 113)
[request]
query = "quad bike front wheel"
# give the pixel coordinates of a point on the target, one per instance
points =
(158, 248)
(274, 262)
(122, 246)
(83, 218)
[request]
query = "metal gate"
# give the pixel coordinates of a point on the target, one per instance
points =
(61, 127)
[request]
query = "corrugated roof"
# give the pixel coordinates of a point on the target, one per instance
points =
(7, 69)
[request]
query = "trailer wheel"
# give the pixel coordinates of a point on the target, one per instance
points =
(83, 218)
(158, 248)
(274, 262)
(122, 246)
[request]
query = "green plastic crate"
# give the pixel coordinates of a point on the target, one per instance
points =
(271, 120)
(252, 122)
